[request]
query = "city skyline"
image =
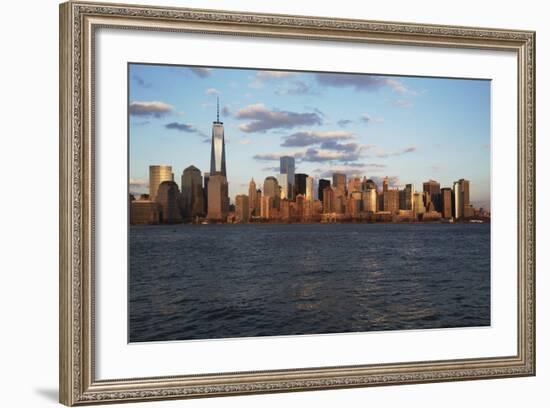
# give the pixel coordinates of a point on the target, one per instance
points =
(173, 129)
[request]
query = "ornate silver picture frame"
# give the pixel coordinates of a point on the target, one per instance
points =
(79, 22)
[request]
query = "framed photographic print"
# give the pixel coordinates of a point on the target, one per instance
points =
(256, 203)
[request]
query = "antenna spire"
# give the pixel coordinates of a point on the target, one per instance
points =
(218, 109)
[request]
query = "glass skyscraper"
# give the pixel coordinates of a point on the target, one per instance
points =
(288, 167)
(217, 155)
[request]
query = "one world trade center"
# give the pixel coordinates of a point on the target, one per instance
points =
(217, 155)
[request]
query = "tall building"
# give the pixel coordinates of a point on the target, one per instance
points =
(418, 203)
(391, 201)
(300, 184)
(433, 188)
(284, 186)
(158, 174)
(310, 182)
(323, 183)
(461, 199)
(288, 166)
(446, 203)
(406, 197)
(271, 189)
(370, 200)
(205, 187)
(217, 155)
(266, 207)
(168, 197)
(242, 212)
(354, 184)
(192, 195)
(328, 200)
(339, 181)
(385, 184)
(258, 203)
(218, 198)
(252, 197)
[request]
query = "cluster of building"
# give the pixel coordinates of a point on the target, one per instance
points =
(293, 197)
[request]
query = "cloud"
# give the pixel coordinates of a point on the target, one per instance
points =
(226, 111)
(201, 72)
(274, 74)
(139, 182)
(344, 153)
(187, 128)
(296, 88)
(141, 123)
(366, 118)
(410, 149)
(276, 156)
(267, 156)
(341, 147)
(212, 91)
(245, 141)
(403, 103)
(154, 109)
(344, 122)
(140, 81)
(275, 169)
(182, 127)
(138, 186)
(264, 119)
(308, 138)
(360, 82)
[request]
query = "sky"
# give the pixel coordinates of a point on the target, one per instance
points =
(411, 129)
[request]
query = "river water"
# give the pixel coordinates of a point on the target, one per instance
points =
(221, 281)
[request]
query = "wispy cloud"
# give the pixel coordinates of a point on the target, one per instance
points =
(201, 72)
(296, 88)
(187, 128)
(311, 137)
(360, 82)
(212, 91)
(138, 186)
(140, 81)
(274, 169)
(182, 127)
(154, 109)
(276, 156)
(344, 122)
(403, 103)
(345, 153)
(264, 119)
(366, 118)
(383, 154)
(274, 74)
(141, 123)
(245, 141)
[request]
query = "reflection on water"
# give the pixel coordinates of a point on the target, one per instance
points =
(218, 281)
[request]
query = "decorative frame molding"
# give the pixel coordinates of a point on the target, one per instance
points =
(78, 22)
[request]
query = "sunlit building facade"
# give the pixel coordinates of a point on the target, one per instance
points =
(158, 174)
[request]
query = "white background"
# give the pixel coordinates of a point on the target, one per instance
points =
(28, 164)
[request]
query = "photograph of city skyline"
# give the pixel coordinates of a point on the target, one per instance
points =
(269, 202)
